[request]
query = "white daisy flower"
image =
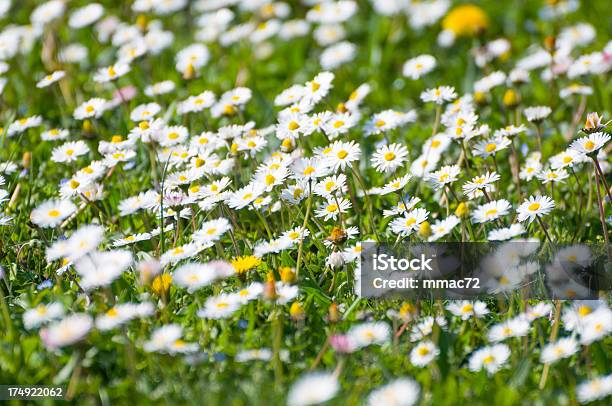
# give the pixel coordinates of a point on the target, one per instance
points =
(409, 222)
(591, 143)
(535, 206)
(52, 212)
(111, 72)
(562, 348)
(491, 359)
(400, 392)
(332, 208)
(312, 389)
(515, 327)
(423, 353)
(416, 67)
(595, 389)
(467, 309)
(439, 95)
(491, 211)
(51, 78)
(444, 176)
(369, 333)
(389, 157)
(41, 314)
(67, 331)
(93, 108)
(506, 233)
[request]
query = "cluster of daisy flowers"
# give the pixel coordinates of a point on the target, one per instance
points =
(585, 322)
(217, 202)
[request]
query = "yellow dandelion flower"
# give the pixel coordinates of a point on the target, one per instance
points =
(466, 20)
(245, 263)
(161, 284)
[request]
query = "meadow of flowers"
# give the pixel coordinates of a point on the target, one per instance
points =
(185, 187)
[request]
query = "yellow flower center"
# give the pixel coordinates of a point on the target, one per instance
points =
(332, 208)
(534, 206)
(584, 310)
(422, 351)
(467, 308)
(53, 213)
(389, 156)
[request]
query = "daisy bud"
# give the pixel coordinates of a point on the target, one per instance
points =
(593, 123)
(141, 22)
(87, 127)
(296, 311)
(407, 311)
(229, 110)
(161, 284)
(335, 260)
(287, 274)
(234, 148)
(270, 287)
(480, 98)
(189, 72)
(332, 315)
(425, 229)
(511, 98)
(288, 145)
(461, 210)
(549, 43)
(341, 108)
(27, 158)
